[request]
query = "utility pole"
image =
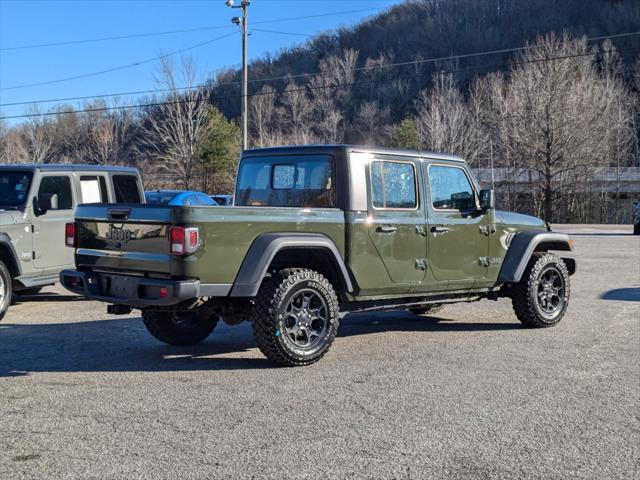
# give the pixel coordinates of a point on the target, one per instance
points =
(242, 22)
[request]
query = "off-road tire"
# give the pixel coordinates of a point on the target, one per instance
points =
(269, 319)
(28, 291)
(524, 294)
(179, 328)
(5, 294)
(427, 310)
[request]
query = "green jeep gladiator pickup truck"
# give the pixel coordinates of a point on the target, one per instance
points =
(316, 232)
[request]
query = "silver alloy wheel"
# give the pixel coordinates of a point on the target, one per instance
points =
(551, 291)
(306, 319)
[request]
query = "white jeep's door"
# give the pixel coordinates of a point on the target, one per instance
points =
(49, 248)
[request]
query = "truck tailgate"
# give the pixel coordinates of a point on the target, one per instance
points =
(125, 238)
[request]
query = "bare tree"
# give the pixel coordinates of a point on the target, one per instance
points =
(442, 117)
(173, 130)
(263, 110)
(38, 137)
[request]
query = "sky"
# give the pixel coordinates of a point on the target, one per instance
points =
(26, 23)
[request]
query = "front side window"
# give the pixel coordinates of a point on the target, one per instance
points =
(61, 188)
(126, 189)
(14, 188)
(393, 185)
(287, 181)
(450, 188)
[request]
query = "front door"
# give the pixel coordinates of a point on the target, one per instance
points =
(51, 254)
(397, 218)
(458, 231)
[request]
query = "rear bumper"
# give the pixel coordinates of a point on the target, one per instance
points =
(130, 290)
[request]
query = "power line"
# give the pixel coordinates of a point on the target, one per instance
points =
(306, 89)
(306, 75)
(121, 67)
(172, 32)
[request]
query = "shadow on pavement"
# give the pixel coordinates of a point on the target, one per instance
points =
(626, 294)
(600, 234)
(124, 345)
(46, 297)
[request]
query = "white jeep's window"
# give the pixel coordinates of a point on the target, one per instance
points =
(60, 188)
(393, 185)
(450, 188)
(93, 189)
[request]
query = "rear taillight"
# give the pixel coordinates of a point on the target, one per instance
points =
(70, 235)
(184, 240)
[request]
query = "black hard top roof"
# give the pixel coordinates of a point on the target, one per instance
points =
(310, 149)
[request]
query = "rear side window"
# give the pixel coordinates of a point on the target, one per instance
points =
(126, 189)
(287, 181)
(450, 188)
(393, 185)
(94, 189)
(59, 186)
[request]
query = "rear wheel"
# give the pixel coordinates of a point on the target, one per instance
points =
(5, 290)
(296, 317)
(541, 297)
(179, 328)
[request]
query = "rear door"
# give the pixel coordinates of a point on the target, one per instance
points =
(48, 229)
(397, 217)
(458, 232)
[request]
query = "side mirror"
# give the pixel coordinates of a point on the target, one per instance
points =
(487, 199)
(46, 202)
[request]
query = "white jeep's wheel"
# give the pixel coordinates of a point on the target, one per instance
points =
(6, 290)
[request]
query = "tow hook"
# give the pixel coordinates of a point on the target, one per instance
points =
(119, 310)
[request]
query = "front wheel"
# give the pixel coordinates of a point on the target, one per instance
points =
(296, 317)
(541, 297)
(5, 290)
(179, 328)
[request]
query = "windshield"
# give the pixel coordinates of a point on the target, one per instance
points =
(14, 188)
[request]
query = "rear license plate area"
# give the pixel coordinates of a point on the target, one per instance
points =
(121, 287)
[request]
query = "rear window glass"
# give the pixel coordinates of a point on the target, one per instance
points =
(126, 188)
(287, 181)
(159, 198)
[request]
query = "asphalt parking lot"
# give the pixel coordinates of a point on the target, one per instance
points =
(474, 395)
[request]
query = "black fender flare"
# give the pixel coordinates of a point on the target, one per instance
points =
(522, 247)
(264, 249)
(5, 242)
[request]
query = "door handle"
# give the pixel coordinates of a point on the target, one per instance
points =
(387, 229)
(439, 229)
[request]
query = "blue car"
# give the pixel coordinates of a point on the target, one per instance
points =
(178, 198)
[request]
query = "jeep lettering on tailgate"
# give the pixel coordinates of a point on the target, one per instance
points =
(118, 234)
